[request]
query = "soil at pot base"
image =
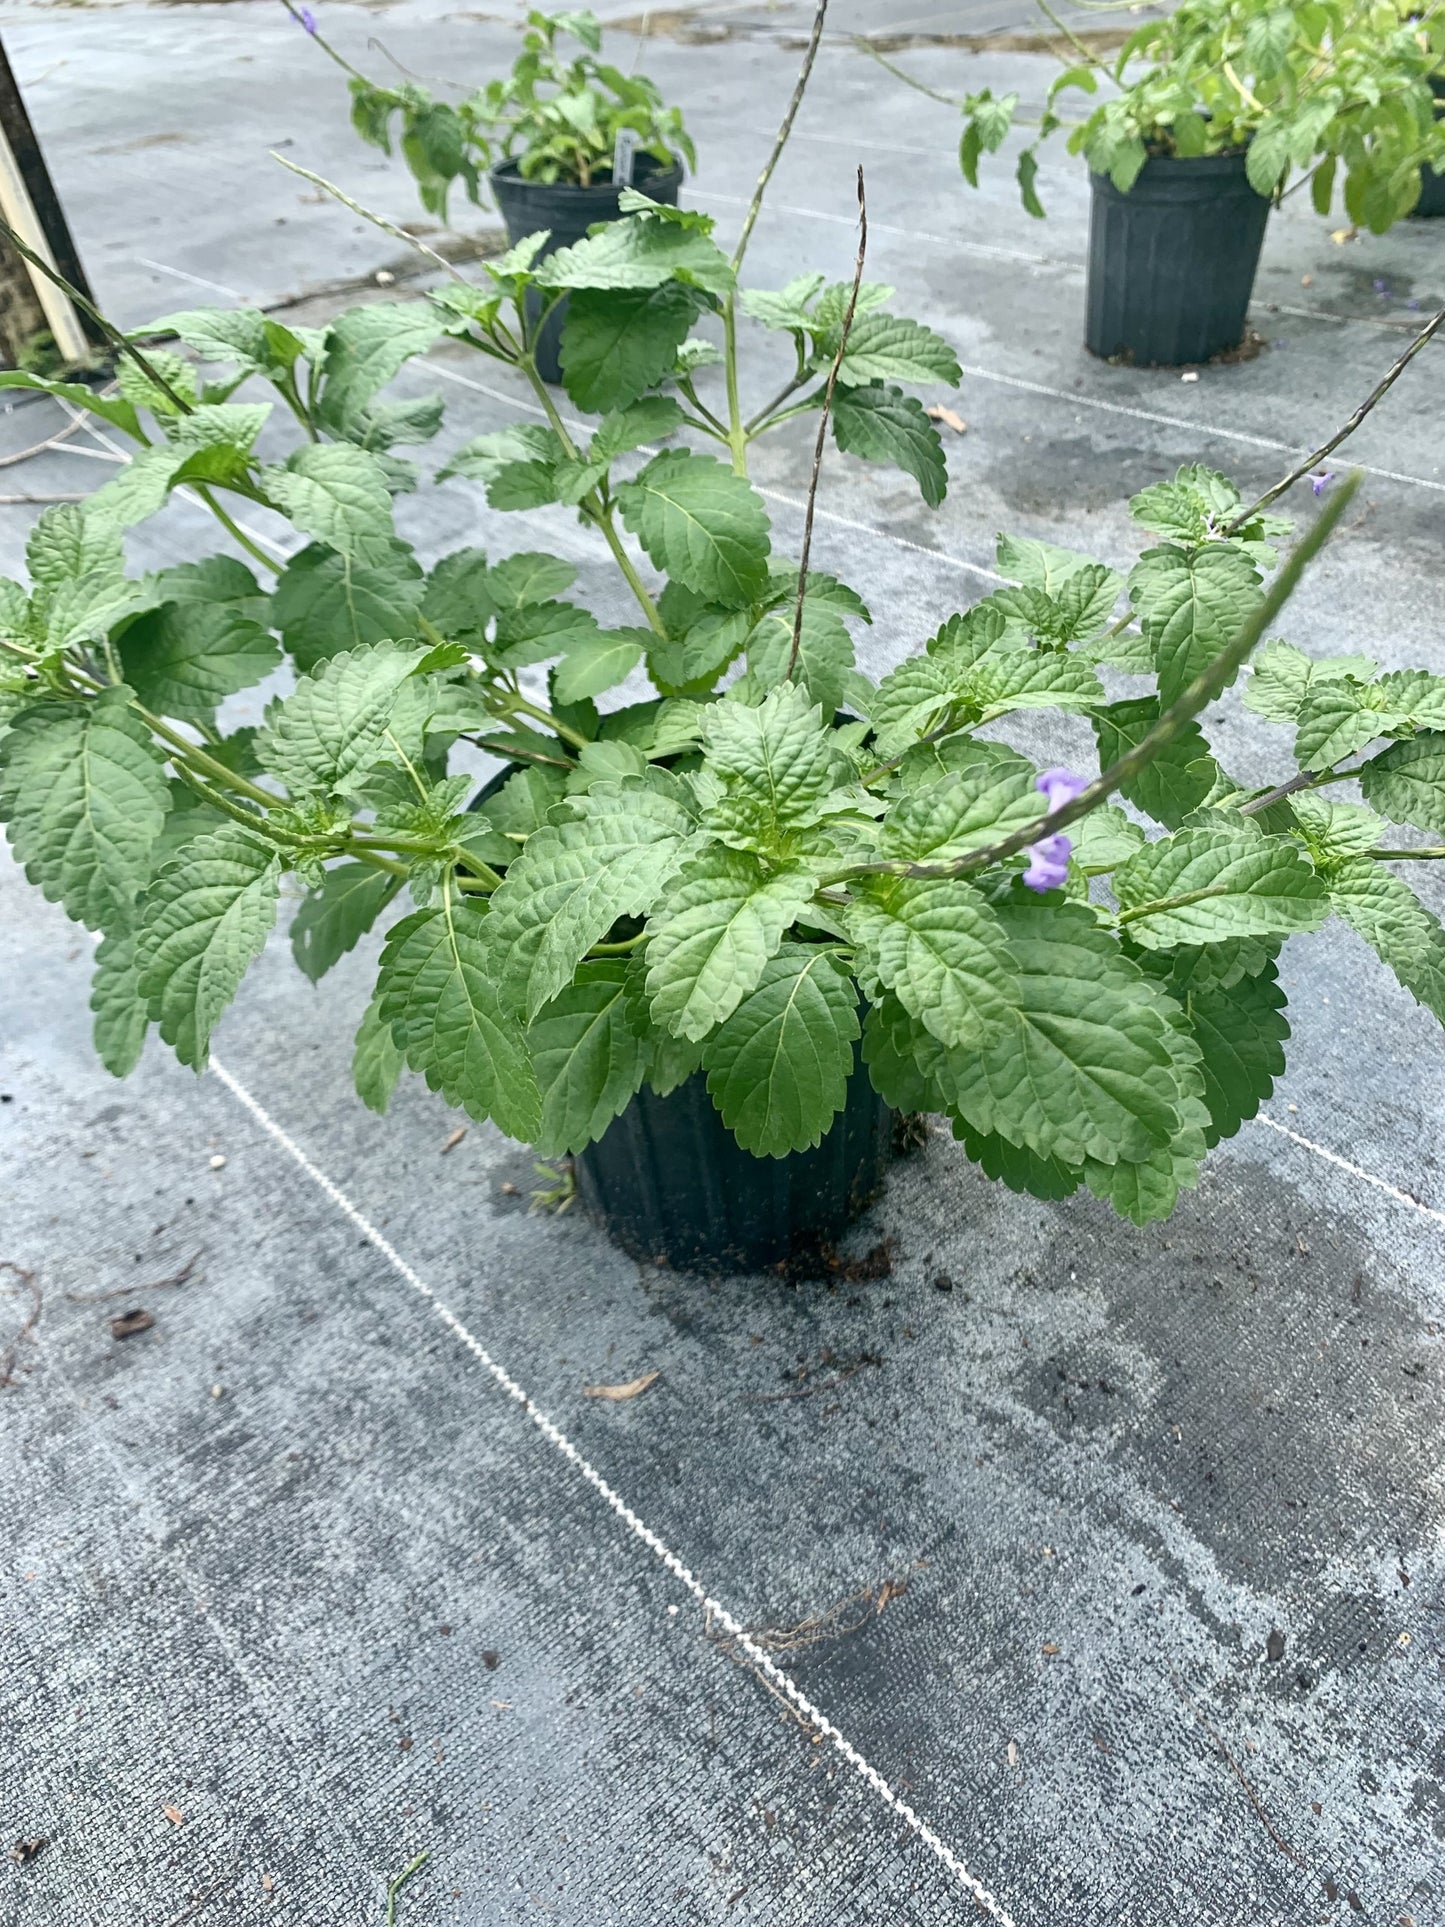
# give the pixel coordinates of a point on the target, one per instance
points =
(1172, 262)
(566, 212)
(668, 1181)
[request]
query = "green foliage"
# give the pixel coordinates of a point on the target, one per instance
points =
(558, 118)
(1337, 92)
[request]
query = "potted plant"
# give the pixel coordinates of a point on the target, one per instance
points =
(1207, 113)
(556, 139)
(768, 892)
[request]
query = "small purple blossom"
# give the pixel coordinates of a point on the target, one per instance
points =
(1321, 480)
(308, 19)
(1049, 857)
(1381, 287)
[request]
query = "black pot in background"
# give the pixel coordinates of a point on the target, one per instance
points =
(668, 1180)
(1432, 185)
(567, 212)
(1172, 262)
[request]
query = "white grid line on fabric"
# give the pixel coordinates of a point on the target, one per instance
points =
(1355, 1170)
(775, 1675)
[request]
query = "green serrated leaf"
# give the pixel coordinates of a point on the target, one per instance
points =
(84, 792)
(185, 658)
(336, 915)
(1200, 886)
(886, 347)
(66, 543)
(598, 662)
(1406, 782)
(616, 344)
(717, 923)
(882, 424)
(645, 251)
(778, 1067)
(825, 651)
(1191, 604)
(1178, 780)
(1241, 1033)
(333, 727)
(590, 1060)
(367, 346)
(206, 917)
(121, 1016)
(942, 951)
(325, 602)
(1396, 925)
(338, 494)
(701, 524)
(376, 1063)
(437, 993)
(574, 878)
(778, 755)
(965, 810)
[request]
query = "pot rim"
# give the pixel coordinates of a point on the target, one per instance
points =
(646, 167)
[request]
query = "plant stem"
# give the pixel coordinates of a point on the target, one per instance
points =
(1079, 46)
(622, 948)
(737, 433)
(366, 213)
(519, 706)
(865, 45)
(1171, 903)
(1304, 780)
(201, 760)
(1313, 461)
(1202, 691)
(1431, 855)
(325, 45)
(395, 1887)
(821, 441)
(784, 130)
(602, 517)
(237, 533)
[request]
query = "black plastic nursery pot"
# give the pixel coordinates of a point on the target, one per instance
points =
(1172, 262)
(566, 212)
(1431, 203)
(670, 1183)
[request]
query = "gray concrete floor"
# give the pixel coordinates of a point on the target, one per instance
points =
(291, 1564)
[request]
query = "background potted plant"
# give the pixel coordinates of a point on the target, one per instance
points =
(727, 891)
(557, 140)
(1206, 115)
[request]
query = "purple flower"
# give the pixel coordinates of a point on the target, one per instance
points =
(308, 19)
(1321, 480)
(1381, 287)
(1048, 863)
(1049, 857)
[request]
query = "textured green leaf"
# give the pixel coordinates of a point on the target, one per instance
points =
(1397, 926)
(1339, 717)
(1016, 1166)
(966, 810)
(719, 920)
(516, 464)
(437, 993)
(85, 609)
(1406, 782)
(784, 308)
(66, 543)
(777, 754)
(617, 345)
(1038, 565)
(701, 524)
(590, 1060)
(1334, 831)
(825, 651)
(1004, 680)
(897, 1049)
(1103, 839)
(1282, 676)
(325, 602)
(84, 793)
(1146, 1190)
(882, 424)
(1244, 884)
(335, 916)
(245, 336)
(110, 408)
(184, 658)
(541, 630)
(333, 727)
(886, 347)
(121, 1017)
(1086, 1068)
(574, 879)
(338, 494)
(598, 662)
(206, 917)
(521, 581)
(367, 346)
(1177, 781)
(1191, 604)
(376, 1063)
(1241, 1033)
(778, 1067)
(942, 951)
(644, 251)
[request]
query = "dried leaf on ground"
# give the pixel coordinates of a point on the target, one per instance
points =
(454, 1140)
(619, 1392)
(174, 1815)
(24, 1851)
(948, 416)
(131, 1322)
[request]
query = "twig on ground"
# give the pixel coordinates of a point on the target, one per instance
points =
(133, 1291)
(826, 410)
(1254, 1800)
(12, 1357)
(1311, 462)
(39, 448)
(395, 1887)
(822, 1385)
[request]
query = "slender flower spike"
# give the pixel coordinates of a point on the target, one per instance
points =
(308, 20)
(1049, 857)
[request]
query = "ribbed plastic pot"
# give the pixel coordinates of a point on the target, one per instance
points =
(1431, 203)
(668, 1181)
(567, 212)
(1172, 262)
